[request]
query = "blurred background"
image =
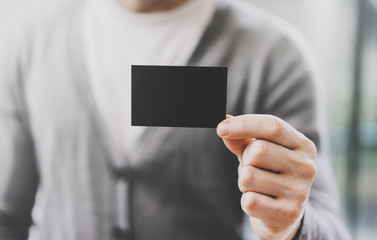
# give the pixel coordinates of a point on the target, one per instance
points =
(343, 35)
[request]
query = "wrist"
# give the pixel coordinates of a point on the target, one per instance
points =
(287, 234)
(295, 228)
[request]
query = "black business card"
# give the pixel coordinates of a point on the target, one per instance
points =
(178, 96)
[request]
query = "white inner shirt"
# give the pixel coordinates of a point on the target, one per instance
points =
(115, 38)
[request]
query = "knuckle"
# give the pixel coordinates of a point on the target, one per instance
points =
(309, 170)
(241, 184)
(249, 202)
(277, 126)
(246, 155)
(312, 149)
(302, 196)
(245, 179)
(292, 213)
(313, 172)
(258, 149)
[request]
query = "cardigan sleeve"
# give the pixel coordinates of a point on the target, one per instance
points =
(18, 174)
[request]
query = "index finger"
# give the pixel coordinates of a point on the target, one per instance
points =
(266, 127)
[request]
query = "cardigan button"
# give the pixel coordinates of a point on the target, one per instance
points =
(121, 173)
(119, 233)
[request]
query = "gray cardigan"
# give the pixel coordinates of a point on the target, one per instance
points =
(57, 175)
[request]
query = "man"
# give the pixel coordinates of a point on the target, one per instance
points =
(72, 167)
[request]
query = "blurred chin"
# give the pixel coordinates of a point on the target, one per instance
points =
(150, 5)
(141, 5)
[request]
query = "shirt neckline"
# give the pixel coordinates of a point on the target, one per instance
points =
(119, 14)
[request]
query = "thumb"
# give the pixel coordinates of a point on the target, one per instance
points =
(236, 146)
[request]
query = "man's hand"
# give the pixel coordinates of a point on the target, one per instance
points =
(275, 173)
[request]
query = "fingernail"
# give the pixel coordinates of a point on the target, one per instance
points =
(223, 129)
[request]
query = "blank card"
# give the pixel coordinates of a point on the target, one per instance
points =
(178, 96)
